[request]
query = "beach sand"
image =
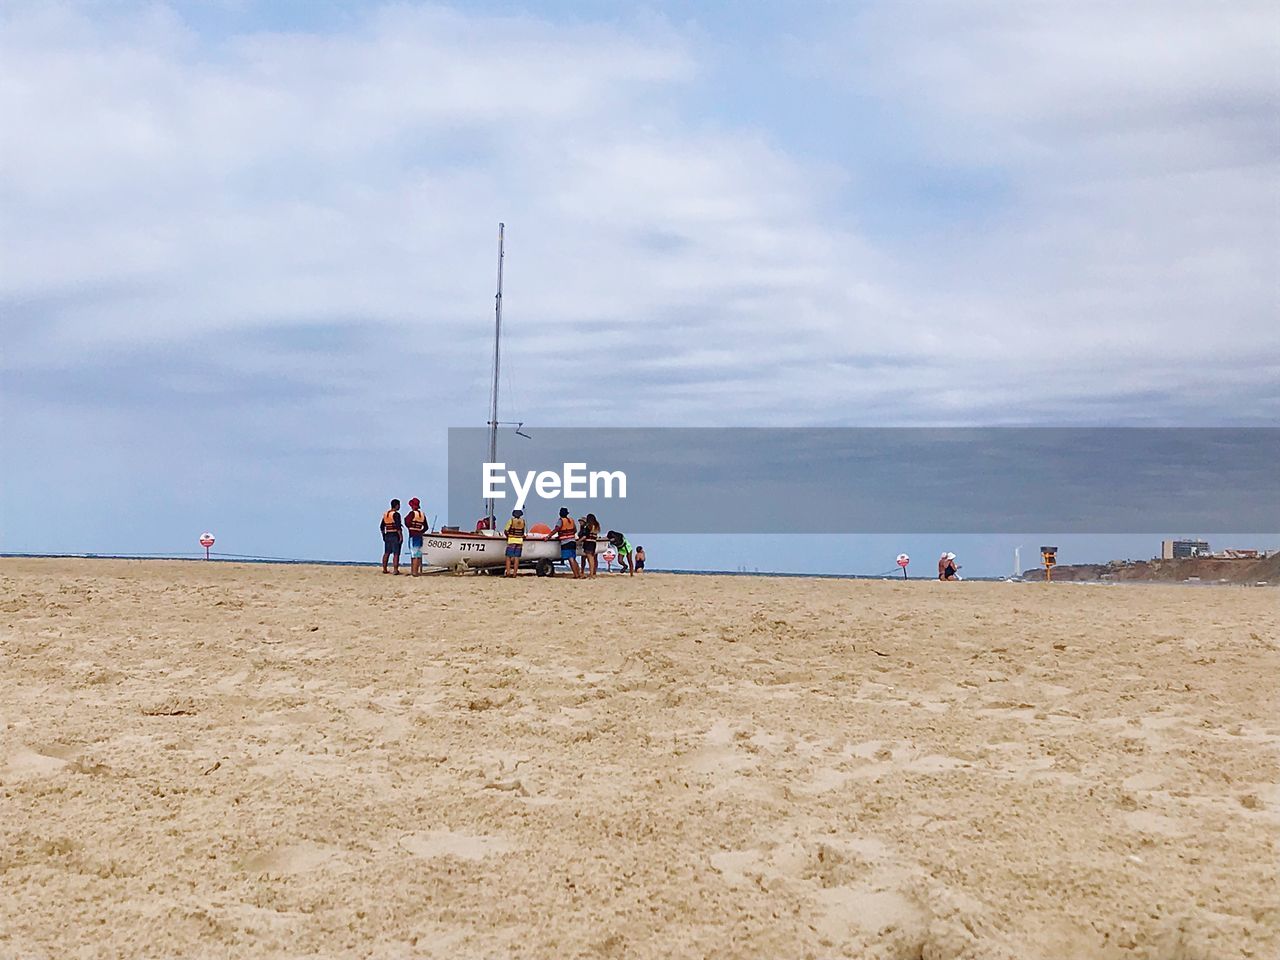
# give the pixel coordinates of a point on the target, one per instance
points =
(218, 760)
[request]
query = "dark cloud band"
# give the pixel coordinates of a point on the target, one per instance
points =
(855, 480)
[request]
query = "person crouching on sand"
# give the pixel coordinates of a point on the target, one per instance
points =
(639, 559)
(588, 534)
(566, 532)
(416, 524)
(947, 567)
(515, 543)
(392, 539)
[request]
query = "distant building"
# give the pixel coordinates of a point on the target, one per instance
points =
(1183, 549)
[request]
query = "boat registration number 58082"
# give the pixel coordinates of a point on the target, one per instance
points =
(463, 546)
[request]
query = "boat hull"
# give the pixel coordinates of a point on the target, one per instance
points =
(478, 550)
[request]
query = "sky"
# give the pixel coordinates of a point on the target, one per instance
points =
(247, 250)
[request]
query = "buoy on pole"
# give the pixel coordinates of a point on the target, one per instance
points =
(903, 560)
(206, 541)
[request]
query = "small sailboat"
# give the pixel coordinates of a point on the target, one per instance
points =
(485, 547)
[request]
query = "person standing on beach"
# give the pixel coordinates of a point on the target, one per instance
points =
(588, 533)
(515, 543)
(392, 538)
(566, 531)
(416, 524)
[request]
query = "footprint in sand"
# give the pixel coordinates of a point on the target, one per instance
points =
(880, 758)
(1149, 822)
(1147, 780)
(862, 912)
(446, 843)
(860, 892)
(294, 859)
(718, 755)
(25, 763)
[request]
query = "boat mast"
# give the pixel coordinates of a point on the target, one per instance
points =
(497, 359)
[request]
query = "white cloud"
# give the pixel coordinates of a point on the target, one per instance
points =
(1079, 81)
(167, 187)
(1132, 259)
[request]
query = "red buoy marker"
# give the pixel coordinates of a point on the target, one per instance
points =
(903, 560)
(206, 541)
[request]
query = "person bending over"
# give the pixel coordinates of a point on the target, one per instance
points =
(623, 547)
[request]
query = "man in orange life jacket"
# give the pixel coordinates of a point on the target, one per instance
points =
(566, 532)
(416, 523)
(392, 538)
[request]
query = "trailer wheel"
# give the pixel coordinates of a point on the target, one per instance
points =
(545, 569)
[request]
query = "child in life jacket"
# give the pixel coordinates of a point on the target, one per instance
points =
(515, 543)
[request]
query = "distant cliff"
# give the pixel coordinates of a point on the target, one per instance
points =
(1205, 569)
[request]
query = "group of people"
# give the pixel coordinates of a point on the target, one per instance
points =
(577, 541)
(392, 528)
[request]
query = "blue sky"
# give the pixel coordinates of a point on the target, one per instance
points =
(246, 252)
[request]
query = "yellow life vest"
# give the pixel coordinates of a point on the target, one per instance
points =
(515, 530)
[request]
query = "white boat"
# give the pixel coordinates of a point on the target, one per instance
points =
(486, 549)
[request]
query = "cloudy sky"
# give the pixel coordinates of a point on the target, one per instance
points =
(247, 250)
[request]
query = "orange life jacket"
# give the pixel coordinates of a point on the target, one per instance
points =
(567, 528)
(389, 524)
(416, 523)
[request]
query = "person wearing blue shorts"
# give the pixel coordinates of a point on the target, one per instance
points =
(515, 543)
(566, 532)
(415, 522)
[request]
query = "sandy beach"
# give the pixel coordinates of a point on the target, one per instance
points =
(220, 760)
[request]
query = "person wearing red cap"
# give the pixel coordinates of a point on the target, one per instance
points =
(415, 522)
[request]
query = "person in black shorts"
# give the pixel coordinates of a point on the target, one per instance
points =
(392, 537)
(639, 558)
(947, 567)
(588, 534)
